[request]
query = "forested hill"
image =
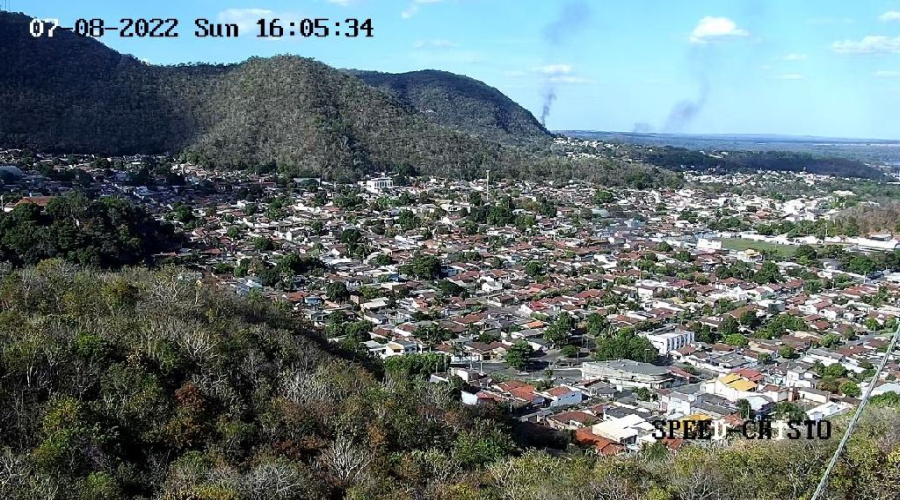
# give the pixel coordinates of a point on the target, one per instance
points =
(70, 94)
(73, 94)
(461, 103)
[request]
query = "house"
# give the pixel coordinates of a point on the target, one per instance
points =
(626, 431)
(572, 420)
(603, 446)
(628, 373)
(670, 339)
(562, 396)
(400, 348)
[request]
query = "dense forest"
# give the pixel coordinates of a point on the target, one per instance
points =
(461, 103)
(141, 384)
(107, 232)
(752, 161)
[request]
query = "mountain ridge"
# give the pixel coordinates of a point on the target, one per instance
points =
(74, 94)
(459, 102)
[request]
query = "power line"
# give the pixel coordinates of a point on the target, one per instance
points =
(820, 490)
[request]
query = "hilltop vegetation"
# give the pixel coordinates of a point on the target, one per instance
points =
(461, 103)
(142, 384)
(108, 233)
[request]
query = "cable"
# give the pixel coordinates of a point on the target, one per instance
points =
(862, 404)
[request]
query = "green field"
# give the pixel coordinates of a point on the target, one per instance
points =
(738, 244)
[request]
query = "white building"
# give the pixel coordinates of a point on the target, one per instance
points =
(379, 184)
(707, 244)
(671, 340)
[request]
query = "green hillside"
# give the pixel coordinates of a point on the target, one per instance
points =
(461, 103)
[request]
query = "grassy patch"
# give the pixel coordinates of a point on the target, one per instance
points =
(739, 244)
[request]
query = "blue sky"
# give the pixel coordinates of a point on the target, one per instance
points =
(800, 67)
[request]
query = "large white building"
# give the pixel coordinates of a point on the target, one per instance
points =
(379, 184)
(670, 339)
(627, 373)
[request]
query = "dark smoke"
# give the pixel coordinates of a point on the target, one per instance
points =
(549, 97)
(684, 112)
(573, 17)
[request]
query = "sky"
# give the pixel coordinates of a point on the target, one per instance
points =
(794, 67)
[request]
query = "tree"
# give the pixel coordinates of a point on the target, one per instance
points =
(831, 340)
(559, 332)
(570, 351)
(518, 354)
(765, 358)
(642, 393)
(603, 197)
(432, 334)
(862, 265)
(768, 273)
(597, 324)
(534, 268)
(337, 292)
(684, 256)
(805, 253)
(789, 411)
(626, 344)
(263, 244)
(744, 408)
(664, 247)
(736, 340)
(449, 288)
(749, 320)
(729, 326)
(787, 352)
(424, 266)
(835, 370)
(850, 388)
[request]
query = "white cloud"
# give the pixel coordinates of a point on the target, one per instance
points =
(570, 79)
(553, 69)
(441, 44)
(716, 28)
(891, 16)
(887, 74)
(788, 77)
(795, 57)
(413, 8)
(868, 45)
(342, 3)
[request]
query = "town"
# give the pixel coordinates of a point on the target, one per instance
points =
(591, 310)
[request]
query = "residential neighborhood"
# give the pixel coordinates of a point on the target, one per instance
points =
(585, 309)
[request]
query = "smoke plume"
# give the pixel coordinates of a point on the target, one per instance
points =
(681, 116)
(549, 97)
(573, 17)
